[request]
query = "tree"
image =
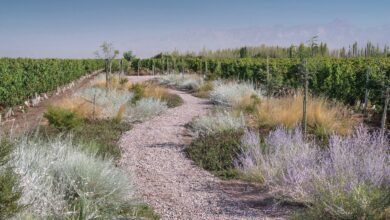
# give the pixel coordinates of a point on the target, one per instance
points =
(109, 54)
(243, 52)
(129, 56)
(386, 102)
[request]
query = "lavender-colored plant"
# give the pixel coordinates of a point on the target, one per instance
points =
(342, 179)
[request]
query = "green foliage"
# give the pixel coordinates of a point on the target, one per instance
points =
(22, 78)
(102, 136)
(9, 193)
(217, 152)
(9, 190)
(204, 90)
(142, 211)
(365, 202)
(172, 100)
(5, 151)
(62, 119)
(128, 55)
(138, 90)
(337, 78)
(97, 136)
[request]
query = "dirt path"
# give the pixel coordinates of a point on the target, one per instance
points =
(172, 184)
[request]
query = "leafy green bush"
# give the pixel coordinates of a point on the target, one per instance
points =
(172, 100)
(5, 150)
(216, 152)
(9, 182)
(9, 193)
(96, 136)
(101, 136)
(62, 119)
(138, 90)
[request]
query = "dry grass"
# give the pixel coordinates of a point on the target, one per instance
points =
(114, 82)
(154, 91)
(322, 116)
(80, 107)
(204, 90)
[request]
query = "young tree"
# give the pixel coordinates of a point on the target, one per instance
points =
(129, 56)
(108, 53)
(305, 75)
(386, 102)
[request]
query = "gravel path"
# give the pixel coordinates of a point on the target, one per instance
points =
(170, 182)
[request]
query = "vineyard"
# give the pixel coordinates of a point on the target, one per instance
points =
(343, 79)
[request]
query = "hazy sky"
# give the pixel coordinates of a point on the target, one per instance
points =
(76, 28)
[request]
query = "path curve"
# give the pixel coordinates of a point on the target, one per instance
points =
(170, 182)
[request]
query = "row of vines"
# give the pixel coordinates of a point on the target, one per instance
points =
(343, 79)
(22, 78)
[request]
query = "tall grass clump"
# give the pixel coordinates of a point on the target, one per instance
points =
(152, 90)
(323, 117)
(218, 122)
(349, 179)
(109, 101)
(144, 109)
(115, 82)
(239, 95)
(61, 181)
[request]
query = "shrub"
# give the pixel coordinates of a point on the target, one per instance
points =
(9, 193)
(204, 90)
(216, 152)
(62, 119)
(145, 109)
(182, 81)
(6, 148)
(347, 180)
(323, 117)
(9, 182)
(138, 90)
(216, 123)
(60, 181)
(233, 94)
(172, 100)
(102, 136)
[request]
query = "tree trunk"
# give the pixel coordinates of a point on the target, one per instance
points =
(305, 94)
(138, 68)
(366, 93)
(268, 81)
(384, 114)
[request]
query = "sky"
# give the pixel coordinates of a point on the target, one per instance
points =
(76, 28)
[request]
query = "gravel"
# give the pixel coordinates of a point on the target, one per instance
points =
(170, 182)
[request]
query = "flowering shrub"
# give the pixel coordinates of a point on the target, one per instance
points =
(348, 179)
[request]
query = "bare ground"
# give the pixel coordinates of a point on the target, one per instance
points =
(173, 185)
